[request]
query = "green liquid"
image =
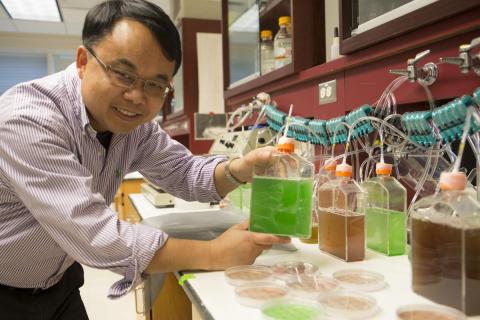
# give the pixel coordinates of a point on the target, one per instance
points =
(281, 206)
(386, 231)
(291, 311)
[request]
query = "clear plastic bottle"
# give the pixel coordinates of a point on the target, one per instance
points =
(386, 210)
(341, 216)
(445, 245)
(325, 174)
(282, 194)
(267, 56)
(283, 43)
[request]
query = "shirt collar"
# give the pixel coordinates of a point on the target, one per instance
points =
(73, 87)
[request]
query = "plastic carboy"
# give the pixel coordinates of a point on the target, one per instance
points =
(282, 193)
(341, 216)
(445, 244)
(386, 212)
(267, 56)
(325, 174)
(283, 43)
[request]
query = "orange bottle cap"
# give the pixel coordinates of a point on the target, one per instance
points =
(286, 145)
(453, 180)
(344, 170)
(384, 169)
(330, 165)
(283, 20)
(266, 34)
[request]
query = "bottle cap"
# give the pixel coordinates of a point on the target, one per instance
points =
(344, 170)
(286, 145)
(384, 169)
(266, 34)
(330, 164)
(453, 181)
(283, 20)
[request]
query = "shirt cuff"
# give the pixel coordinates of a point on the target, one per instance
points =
(143, 251)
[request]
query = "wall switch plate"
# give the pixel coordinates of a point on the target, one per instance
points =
(327, 92)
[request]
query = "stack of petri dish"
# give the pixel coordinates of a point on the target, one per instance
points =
(361, 280)
(349, 305)
(287, 270)
(311, 287)
(292, 309)
(240, 275)
(428, 312)
(256, 294)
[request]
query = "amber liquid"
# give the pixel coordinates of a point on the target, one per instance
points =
(314, 234)
(342, 235)
(441, 272)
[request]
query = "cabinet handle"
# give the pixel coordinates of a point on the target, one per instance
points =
(139, 289)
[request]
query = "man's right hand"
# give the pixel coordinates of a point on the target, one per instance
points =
(238, 246)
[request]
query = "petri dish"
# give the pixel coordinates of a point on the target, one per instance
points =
(291, 309)
(349, 305)
(428, 312)
(258, 293)
(311, 287)
(239, 275)
(293, 269)
(358, 279)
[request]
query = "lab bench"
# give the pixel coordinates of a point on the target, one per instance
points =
(213, 298)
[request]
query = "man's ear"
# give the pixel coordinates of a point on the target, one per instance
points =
(81, 61)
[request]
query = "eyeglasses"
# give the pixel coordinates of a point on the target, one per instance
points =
(126, 79)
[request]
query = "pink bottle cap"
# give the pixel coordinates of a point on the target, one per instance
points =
(330, 164)
(344, 170)
(286, 145)
(453, 180)
(384, 169)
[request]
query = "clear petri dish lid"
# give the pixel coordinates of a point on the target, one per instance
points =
(258, 293)
(293, 269)
(239, 275)
(349, 305)
(359, 279)
(311, 287)
(428, 312)
(292, 309)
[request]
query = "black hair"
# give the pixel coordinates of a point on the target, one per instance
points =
(102, 18)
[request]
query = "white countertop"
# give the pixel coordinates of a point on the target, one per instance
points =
(216, 297)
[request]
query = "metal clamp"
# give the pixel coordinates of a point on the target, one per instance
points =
(466, 60)
(427, 75)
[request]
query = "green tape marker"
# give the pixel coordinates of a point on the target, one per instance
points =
(184, 278)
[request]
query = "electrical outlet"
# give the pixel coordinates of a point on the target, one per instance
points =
(327, 92)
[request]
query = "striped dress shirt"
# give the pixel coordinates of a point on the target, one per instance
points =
(57, 181)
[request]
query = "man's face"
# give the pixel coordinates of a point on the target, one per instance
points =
(130, 47)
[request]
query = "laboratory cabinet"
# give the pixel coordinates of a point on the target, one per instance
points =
(242, 22)
(362, 73)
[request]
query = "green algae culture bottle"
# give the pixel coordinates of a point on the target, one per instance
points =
(341, 216)
(386, 212)
(445, 245)
(281, 202)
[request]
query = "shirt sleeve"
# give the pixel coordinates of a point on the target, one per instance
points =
(169, 165)
(38, 165)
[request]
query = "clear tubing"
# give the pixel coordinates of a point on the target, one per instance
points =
(386, 92)
(461, 147)
(289, 119)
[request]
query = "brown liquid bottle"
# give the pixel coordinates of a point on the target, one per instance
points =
(325, 174)
(341, 217)
(445, 244)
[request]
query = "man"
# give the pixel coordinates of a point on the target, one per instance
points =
(67, 140)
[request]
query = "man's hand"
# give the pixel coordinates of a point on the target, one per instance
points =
(238, 246)
(242, 168)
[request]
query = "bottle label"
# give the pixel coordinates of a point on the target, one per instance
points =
(283, 52)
